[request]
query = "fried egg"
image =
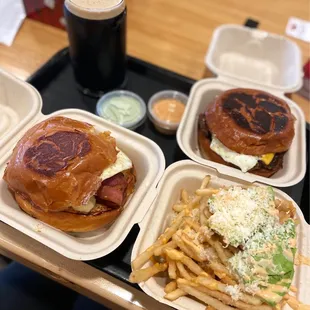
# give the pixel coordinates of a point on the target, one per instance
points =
(122, 163)
(244, 162)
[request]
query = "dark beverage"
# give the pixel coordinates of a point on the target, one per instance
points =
(97, 37)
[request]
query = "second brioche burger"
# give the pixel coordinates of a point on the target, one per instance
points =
(66, 174)
(247, 129)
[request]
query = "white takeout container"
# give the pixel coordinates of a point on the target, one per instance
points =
(19, 103)
(187, 174)
(149, 164)
(248, 58)
(146, 155)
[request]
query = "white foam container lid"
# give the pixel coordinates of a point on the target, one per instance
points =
(187, 174)
(19, 104)
(147, 157)
(249, 58)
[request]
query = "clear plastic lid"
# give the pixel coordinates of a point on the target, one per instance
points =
(123, 108)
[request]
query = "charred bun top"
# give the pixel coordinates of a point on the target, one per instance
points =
(251, 122)
(58, 162)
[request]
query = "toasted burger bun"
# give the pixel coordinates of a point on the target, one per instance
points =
(74, 221)
(251, 122)
(71, 222)
(58, 163)
(57, 166)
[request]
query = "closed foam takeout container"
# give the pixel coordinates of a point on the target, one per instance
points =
(187, 174)
(249, 58)
(147, 158)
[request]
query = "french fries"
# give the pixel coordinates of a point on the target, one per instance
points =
(179, 207)
(219, 286)
(205, 182)
(175, 294)
(163, 239)
(203, 215)
(286, 210)
(183, 272)
(144, 274)
(183, 247)
(159, 250)
(229, 301)
(179, 256)
(218, 247)
(206, 192)
(184, 196)
(195, 259)
(213, 302)
(170, 287)
(172, 269)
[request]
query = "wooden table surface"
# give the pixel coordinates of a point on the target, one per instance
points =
(174, 34)
(169, 33)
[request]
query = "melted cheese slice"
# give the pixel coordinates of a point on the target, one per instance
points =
(267, 158)
(88, 207)
(122, 163)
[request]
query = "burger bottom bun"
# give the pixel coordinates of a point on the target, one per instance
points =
(66, 221)
(206, 152)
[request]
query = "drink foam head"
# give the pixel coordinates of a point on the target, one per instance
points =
(95, 9)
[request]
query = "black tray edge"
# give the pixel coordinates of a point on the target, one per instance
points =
(39, 78)
(60, 58)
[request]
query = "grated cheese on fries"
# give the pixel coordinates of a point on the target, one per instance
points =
(231, 248)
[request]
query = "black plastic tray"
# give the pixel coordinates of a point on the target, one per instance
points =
(55, 82)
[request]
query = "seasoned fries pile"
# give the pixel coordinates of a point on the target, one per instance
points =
(195, 259)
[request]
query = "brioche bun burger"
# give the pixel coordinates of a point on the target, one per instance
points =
(248, 129)
(66, 174)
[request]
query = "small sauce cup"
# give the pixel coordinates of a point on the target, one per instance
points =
(123, 108)
(165, 110)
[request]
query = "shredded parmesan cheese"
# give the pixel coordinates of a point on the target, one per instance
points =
(233, 291)
(238, 213)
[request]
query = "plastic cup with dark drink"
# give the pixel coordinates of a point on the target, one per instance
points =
(97, 37)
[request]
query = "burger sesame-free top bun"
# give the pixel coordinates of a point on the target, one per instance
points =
(251, 122)
(57, 163)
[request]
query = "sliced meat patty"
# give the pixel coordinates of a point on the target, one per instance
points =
(275, 165)
(112, 191)
(203, 127)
